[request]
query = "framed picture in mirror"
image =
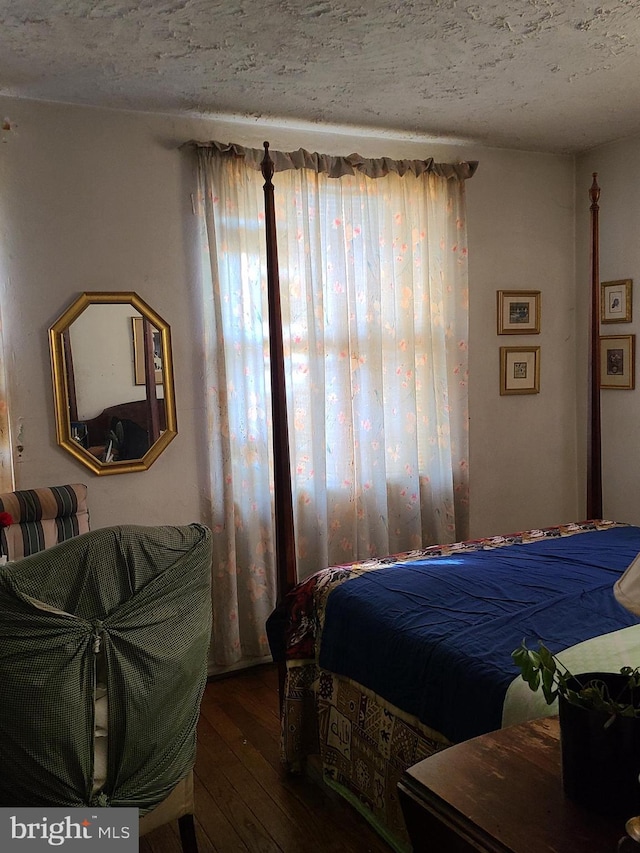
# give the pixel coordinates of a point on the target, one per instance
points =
(138, 352)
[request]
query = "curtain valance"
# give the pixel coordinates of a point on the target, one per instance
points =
(337, 166)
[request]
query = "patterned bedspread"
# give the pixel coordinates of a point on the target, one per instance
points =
(364, 742)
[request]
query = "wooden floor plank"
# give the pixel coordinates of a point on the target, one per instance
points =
(161, 840)
(212, 823)
(245, 801)
(248, 768)
(240, 810)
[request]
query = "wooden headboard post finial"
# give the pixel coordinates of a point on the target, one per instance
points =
(594, 454)
(285, 555)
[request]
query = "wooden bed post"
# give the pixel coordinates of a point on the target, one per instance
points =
(284, 532)
(594, 455)
(71, 378)
(153, 413)
(285, 554)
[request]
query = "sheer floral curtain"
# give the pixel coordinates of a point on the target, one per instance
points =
(373, 275)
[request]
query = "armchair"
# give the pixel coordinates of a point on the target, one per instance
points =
(104, 639)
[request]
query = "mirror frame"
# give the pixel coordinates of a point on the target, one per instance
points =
(61, 386)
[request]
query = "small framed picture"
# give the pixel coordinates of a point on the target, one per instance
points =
(518, 312)
(615, 301)
(617, 361)
(519, 370)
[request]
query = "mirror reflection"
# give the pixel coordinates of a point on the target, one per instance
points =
(113, 382)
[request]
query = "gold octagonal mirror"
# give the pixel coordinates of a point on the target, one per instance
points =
(113, 382)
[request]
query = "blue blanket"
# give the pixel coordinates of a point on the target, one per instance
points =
(434, 637)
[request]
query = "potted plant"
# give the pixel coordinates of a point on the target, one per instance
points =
(599, 729)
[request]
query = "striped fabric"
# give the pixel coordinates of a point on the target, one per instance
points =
(42, 518)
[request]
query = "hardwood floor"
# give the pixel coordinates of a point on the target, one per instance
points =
(244, 800)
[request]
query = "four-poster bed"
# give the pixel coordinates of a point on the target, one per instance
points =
(386, 661)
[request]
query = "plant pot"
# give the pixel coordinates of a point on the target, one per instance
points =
(600, 765)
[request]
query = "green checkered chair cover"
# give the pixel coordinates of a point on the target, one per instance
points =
(134, 601)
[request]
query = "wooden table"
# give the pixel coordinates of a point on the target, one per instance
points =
(501, 793)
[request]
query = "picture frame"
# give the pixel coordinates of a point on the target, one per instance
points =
(138, 352)
(519, 370)
(519, 312)
(616, 301)
(617, 361)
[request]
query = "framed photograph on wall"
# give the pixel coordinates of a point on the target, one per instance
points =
(615, 301)
(617, 361)
(519, 370)
(518, 312)
(138, 352)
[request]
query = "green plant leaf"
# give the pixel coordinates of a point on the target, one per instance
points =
(549, 686)
(542, 668)
(529, 664)
(547, 659)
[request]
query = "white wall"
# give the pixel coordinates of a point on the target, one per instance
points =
(618, 168)
(521, 234)
(100, 200)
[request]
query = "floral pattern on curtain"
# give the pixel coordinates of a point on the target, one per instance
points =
(373, 277)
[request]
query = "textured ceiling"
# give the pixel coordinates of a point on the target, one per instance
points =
(546, 75)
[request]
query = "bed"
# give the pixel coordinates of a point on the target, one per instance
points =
(388, 661)
(391, 660)
(131, 421)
